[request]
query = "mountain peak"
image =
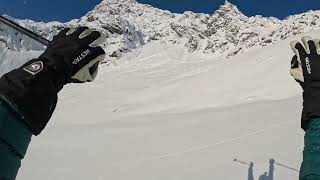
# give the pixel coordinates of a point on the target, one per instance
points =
(118, 1)
(227, 3)
(228, 8)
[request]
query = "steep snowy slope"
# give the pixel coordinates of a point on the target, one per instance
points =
(162, 113)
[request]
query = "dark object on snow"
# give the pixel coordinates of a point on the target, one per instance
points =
(305, 68)
(72, 56)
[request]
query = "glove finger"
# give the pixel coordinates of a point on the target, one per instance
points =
(93, 38)
(302, 53)
(296, 70)
(312, 47)
(98, 42)
(62, 33)
(90, 38)
(294, 62)
(294, 49)
(72, 30)
(305, 40)
(79, 30)
(305, 61)
(311, 44)
(317, 42)
(85, 33)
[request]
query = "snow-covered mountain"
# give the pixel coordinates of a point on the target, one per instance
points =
(129, 25)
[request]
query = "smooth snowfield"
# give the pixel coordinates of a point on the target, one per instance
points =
(166, 114)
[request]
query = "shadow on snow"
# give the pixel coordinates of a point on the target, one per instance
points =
(265, 176)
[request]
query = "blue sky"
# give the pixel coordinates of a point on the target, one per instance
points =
(65, 10)
(47, 10)
(275, 8)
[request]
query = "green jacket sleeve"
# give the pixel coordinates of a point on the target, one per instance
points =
(15, 137)
(310, 168)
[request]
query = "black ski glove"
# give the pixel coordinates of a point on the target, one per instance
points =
(305, 68)
(72, 56)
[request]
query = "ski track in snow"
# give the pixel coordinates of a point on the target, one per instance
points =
(194, 149)
(208, 146)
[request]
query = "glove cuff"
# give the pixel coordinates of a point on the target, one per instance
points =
(32, 92)
(311, 104)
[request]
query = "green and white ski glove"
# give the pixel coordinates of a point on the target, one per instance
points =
(72, 56)
(305, 68)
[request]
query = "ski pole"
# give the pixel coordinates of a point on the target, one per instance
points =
(293, 169)
(25, 31)
(276, 163)
(241, 162)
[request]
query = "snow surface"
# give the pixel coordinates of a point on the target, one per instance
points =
(162, 113)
